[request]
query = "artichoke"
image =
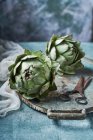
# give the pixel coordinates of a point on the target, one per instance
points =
(65, 54)
(31, 75)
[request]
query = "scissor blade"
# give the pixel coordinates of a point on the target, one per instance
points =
(87, 82)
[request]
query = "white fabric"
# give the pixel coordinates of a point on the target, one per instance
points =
(11, 101)
(8, 53)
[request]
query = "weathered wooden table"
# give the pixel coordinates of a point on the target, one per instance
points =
(28, 124)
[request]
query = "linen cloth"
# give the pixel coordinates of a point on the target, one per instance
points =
(9, 98)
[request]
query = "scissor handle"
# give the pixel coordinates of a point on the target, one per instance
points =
(66, 115)
(81, 100)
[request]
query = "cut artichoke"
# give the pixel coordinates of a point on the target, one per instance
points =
(32, 75)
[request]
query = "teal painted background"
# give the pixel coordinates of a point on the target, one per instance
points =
(37, 20)
(28, 124)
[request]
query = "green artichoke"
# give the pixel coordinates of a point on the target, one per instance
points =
(31, 75)
(65, 54)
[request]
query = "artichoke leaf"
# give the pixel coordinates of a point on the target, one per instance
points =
(11, 67)
(59, 41)
(27, 52)
(72, 68)
(62, 48)
(53, 53)
(44, 88)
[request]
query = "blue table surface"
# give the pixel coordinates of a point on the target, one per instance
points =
(28, 124)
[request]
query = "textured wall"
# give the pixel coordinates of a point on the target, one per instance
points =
(34, 20)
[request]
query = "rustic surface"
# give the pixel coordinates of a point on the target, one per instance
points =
(27, 124)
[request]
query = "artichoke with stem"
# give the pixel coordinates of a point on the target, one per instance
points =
(31, 75)
(65, 53)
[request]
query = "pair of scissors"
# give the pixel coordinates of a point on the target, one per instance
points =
(80, 88)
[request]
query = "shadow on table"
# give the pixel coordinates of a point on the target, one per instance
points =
(79, 125)
(85, 71)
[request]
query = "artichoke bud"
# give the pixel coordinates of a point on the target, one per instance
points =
(31, 75)
(65, 54)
